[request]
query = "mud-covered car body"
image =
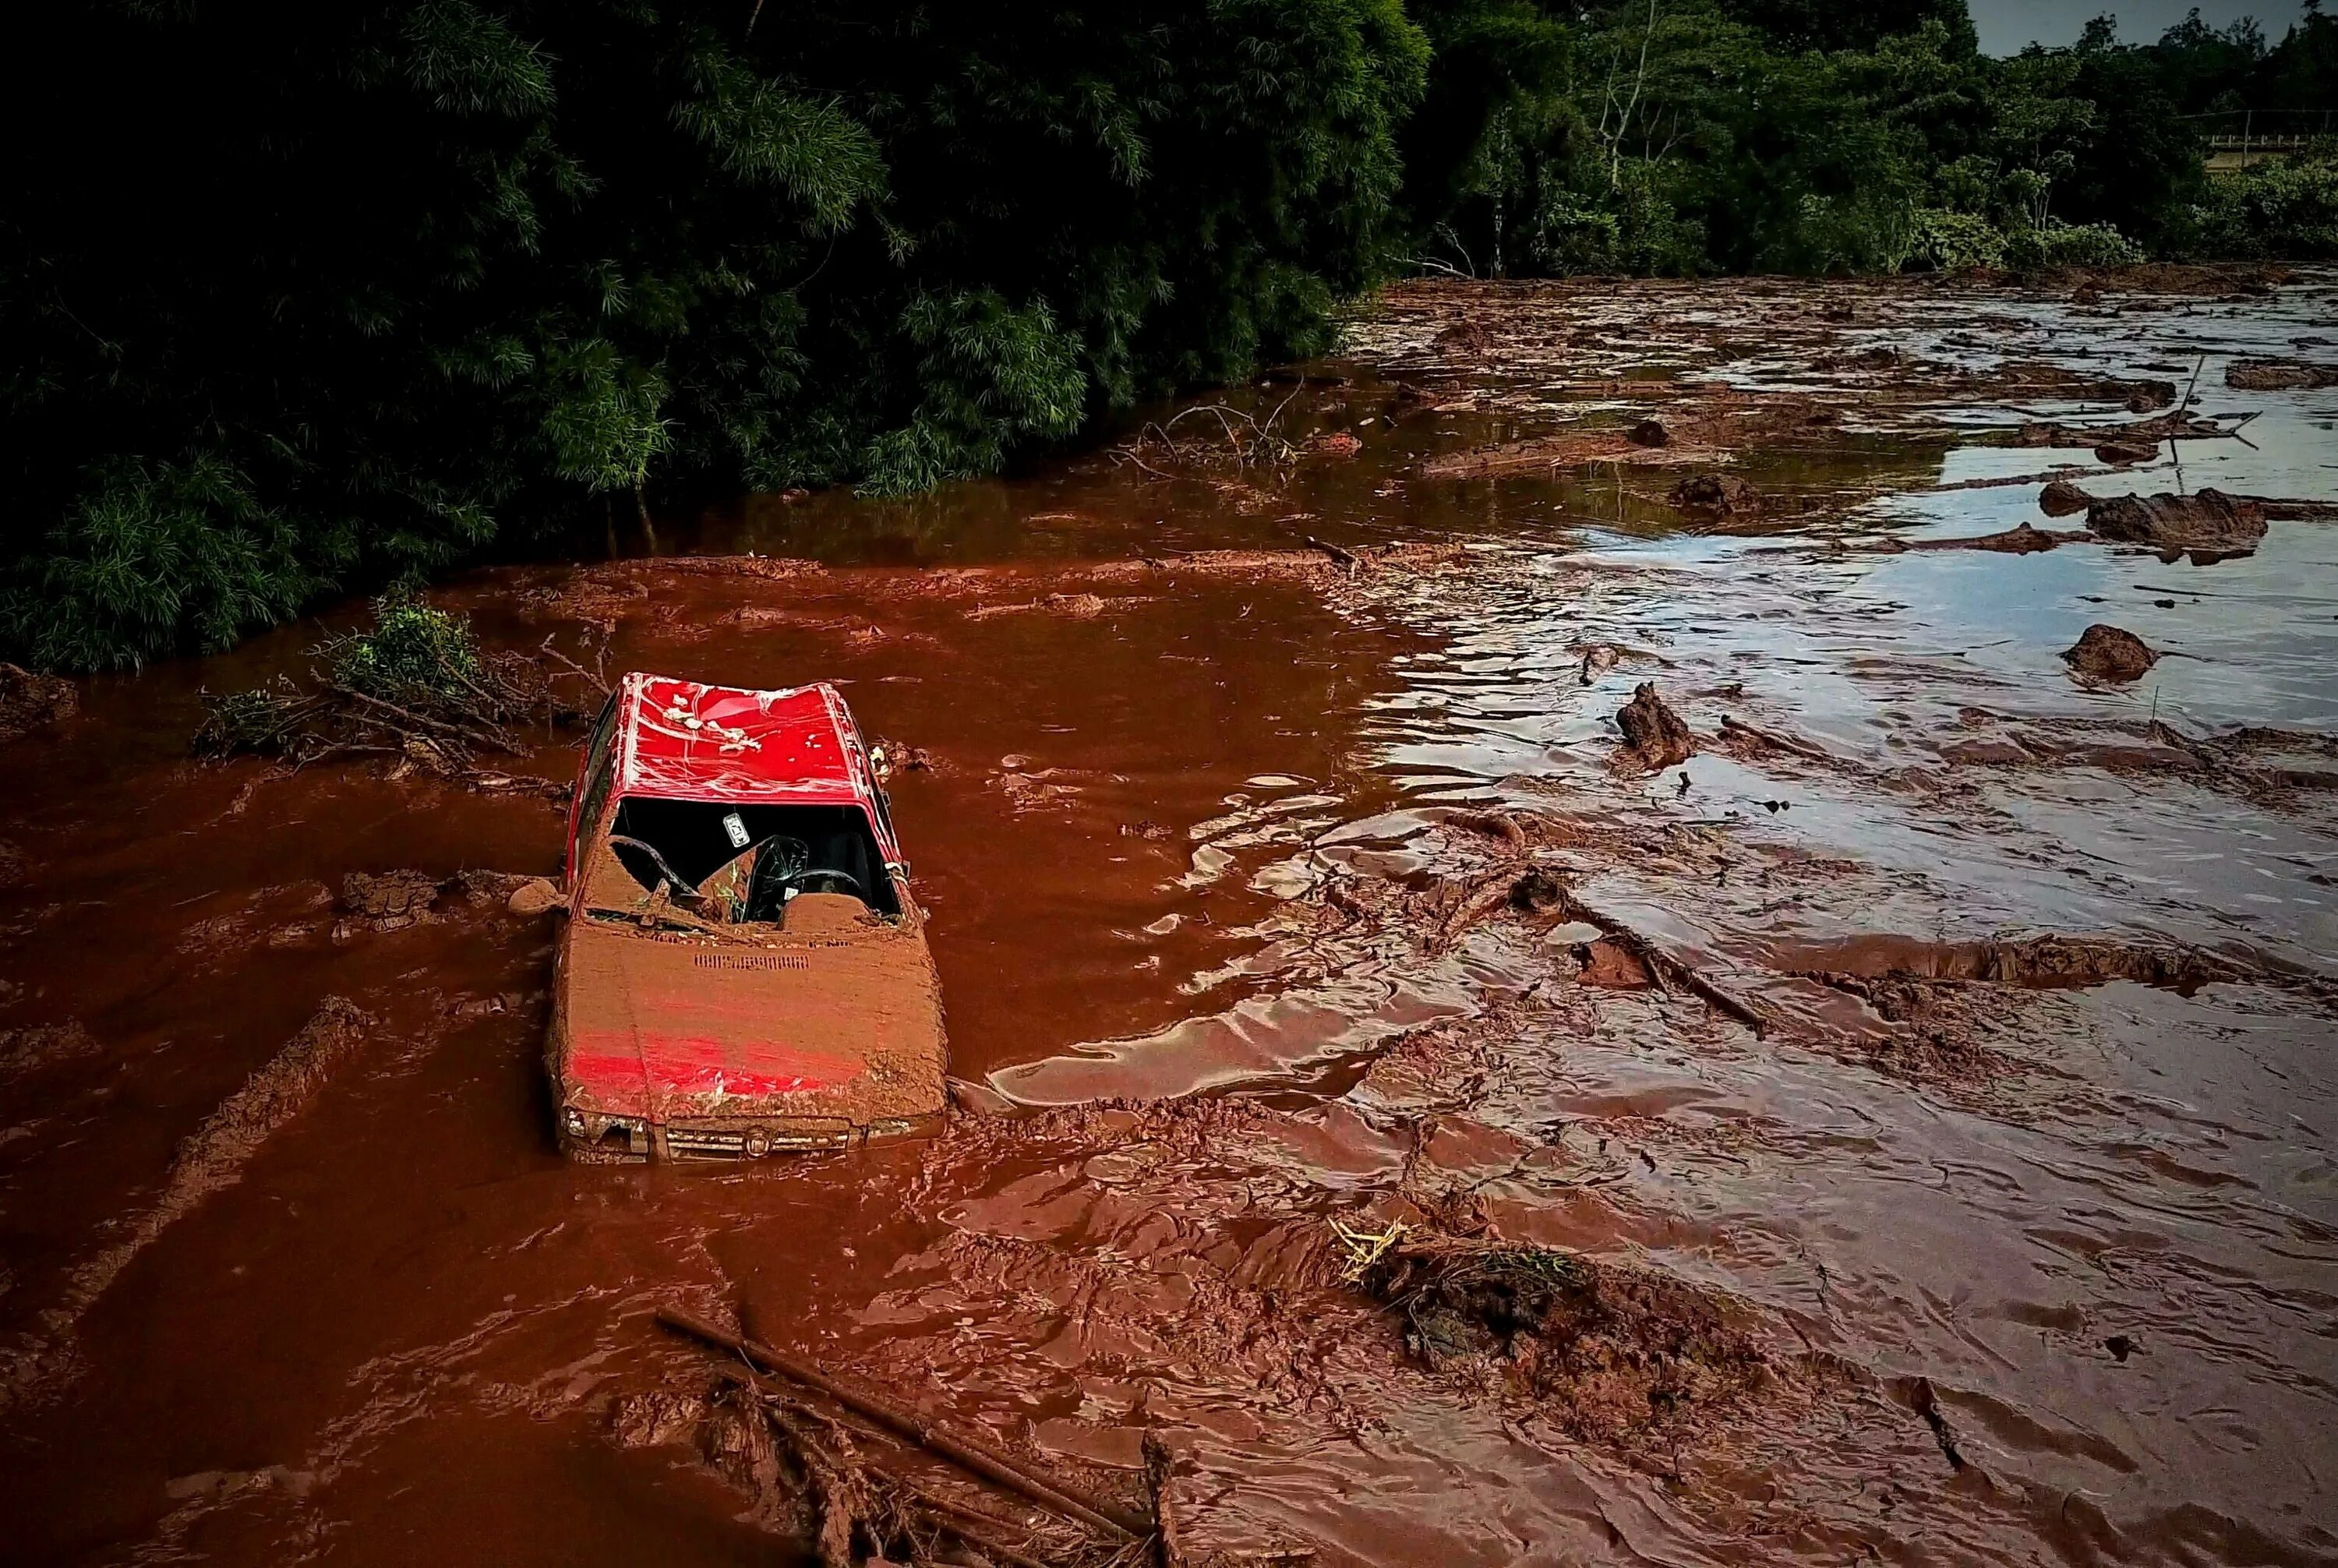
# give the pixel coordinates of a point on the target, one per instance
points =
(743, 970)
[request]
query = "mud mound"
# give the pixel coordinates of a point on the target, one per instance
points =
(2209, 526)
(1619, 1356)
(2106, 653)
(28, 701)
(2052, 960)
(2279, 375)
(1655, 737)
(1716, 497)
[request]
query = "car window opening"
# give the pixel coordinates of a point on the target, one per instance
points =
(742, 863)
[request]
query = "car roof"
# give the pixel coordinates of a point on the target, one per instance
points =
(686, 740)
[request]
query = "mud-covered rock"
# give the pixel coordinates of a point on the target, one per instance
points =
(2279, 375)
(535, 897)
(1655, 737)
(2060, 498)
(1717, 496)
(2207, 526)
(29, 700)
(2106, 653)
(2126, 454)
(1649, 433)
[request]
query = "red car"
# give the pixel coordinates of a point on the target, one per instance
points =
(743, 970)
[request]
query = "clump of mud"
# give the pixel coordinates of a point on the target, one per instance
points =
(2279, 375)
(1624, 1357)
(2107, 653)
(1716, 497)
(28, 701)
(27, 1050)
(2208, 525)
(1655, 737)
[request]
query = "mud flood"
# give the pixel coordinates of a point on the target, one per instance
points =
(1874, 1103)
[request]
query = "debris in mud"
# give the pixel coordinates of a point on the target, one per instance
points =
(862, 1510)
(1716, 496)
(2279, 375)
(2143, 434)
(28, 701)
(654, 1419)
(390, 901)
(1655, 737)
(416, 687)
(1614, 1354)
(1335, 443)
(2106, 653)
(1212, 435)
(1649, 433)
(1320, 565)
(2208, 525)
(27, 1050)
(1611, 966)
(2126, 454)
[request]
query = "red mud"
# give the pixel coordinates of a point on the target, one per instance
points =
(1284, 902)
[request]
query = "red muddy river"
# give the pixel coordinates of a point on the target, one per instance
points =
(1956, 1027)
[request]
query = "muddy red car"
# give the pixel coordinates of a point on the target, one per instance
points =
(744, 971)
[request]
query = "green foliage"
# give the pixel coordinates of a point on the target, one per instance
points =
(1684, 136)
(2059, 244)
(2278, 210)
(413, 650)
(339, 296)
(150, 558)
(1952, 242)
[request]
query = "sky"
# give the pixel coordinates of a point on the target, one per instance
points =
(2008, 26)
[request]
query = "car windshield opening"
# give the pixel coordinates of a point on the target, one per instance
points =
(743, 862)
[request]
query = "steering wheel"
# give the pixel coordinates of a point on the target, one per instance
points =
(826, 873)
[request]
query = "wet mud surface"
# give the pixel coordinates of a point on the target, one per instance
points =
(1871, 1103)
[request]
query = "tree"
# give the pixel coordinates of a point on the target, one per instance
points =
(313, 297)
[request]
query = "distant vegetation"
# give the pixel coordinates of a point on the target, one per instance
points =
(1703, 136)
(297, 302)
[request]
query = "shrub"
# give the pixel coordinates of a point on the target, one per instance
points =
(2071, 245)
(1949, 241)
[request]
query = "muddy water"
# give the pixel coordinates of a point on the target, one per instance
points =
(2040, 1234)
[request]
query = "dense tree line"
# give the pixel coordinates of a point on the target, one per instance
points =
(302, 299)
(1699, 136)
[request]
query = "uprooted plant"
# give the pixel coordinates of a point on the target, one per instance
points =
(416, 685)
(1211, 435)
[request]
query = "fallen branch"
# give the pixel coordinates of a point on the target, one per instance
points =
(977, 1458)
(1663, 964)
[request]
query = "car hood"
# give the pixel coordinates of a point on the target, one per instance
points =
(669, 1026)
